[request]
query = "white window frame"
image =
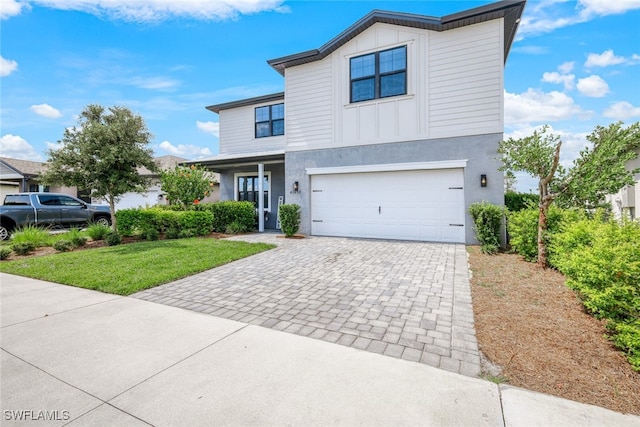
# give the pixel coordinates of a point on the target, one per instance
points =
(267, 174)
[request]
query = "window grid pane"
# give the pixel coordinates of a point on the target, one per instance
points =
(362, 90)
(363, 66)
(393, 84)
(393, 60)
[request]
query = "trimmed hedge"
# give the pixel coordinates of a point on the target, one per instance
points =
(487, 219)
(516, 202)
(197, 220)
(289, 219)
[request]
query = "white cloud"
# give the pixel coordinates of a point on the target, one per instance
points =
(621, 111)
(17, 147)
(605, 59)
(565, 79)
(607, 7)
(160, 10)
(9, 8)
(185, 150)
(535, 106)
(154, 83)
(566, 67)
(7, 66)
(593, 86)
(545, 16)
(46, 110)
(209, 127)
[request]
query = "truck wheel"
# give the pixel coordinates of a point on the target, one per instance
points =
(4, 232)
(103, 220)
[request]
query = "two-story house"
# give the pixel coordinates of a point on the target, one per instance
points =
(389, 130)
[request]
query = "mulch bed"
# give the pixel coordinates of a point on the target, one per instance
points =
(535, 328)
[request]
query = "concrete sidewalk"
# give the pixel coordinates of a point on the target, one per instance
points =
(78, 357)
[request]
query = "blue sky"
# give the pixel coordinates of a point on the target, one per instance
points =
(574, 65)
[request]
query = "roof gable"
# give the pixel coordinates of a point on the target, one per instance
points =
(510, 10)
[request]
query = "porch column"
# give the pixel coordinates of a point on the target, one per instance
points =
(260, 197)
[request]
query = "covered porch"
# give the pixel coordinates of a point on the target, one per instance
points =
(256, 177)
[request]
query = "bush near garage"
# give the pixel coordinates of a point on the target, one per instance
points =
(601, 260)
(225, 213)
(515, 202)
(487, 219)
(522, 227)
(289, 219)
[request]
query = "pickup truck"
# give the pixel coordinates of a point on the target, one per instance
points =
(48, 209)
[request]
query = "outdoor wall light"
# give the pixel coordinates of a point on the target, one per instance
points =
(483, 180)
(295, 187)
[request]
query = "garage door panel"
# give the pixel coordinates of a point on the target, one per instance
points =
(412, 205)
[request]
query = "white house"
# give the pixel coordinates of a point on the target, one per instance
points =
(389, 130)
(625, 202)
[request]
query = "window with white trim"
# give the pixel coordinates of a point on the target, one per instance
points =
(269, 120)
(379, 74)
(246, 188)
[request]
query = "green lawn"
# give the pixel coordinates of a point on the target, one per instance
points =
(129, 268)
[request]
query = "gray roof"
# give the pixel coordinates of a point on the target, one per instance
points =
(244, 102)
(510, 10)
(24, 167)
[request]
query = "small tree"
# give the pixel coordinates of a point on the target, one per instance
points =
(103, 154)
(598, 171)
(185, 185)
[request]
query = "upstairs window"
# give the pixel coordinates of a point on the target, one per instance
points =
(379, 75)
(270, 120)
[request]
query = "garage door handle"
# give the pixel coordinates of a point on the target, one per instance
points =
(456, 225)
(456, 188)
(379, 210)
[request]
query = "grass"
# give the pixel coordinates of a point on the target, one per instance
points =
(126, 269)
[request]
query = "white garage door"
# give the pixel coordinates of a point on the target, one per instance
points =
(423, 205)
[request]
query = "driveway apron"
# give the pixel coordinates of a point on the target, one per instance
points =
(409, 300)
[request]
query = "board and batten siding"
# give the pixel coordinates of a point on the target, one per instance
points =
(454, 88)
(237, 132)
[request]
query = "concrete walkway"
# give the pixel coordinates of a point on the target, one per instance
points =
(410, 300)
(76, 357)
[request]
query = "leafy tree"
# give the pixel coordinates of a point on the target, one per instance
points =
(103, 154)
(185, 185)
(598, 171)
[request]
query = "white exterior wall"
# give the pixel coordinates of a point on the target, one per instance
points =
(454, 88)
(237, 131)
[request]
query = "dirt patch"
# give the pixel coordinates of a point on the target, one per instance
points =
(534, 327)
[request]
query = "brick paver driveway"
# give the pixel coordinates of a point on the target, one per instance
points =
(409, 300)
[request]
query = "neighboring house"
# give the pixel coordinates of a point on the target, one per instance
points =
(625, 202)
(18, 176)
(389, 130)
(154, 195)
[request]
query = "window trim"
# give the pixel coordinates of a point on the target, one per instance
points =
(271, 121)
(377, 75)
(237, 175)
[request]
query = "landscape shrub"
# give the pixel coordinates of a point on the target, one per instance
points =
(113, 239)
(23, 248)
(63, 245)
(150, 234)
(601, 260)
(172, 233)
(487, 219)
(5, 251)
(198, 222)
(227, 212)
(127, 221)
(236, 227)
(76, 237)
(523, 228)
(98, 231)
(38, 236)
(515, 202)
(289, 219)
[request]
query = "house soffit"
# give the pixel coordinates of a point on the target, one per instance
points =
(510, 10)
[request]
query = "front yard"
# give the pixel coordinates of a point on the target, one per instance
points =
(129, 268)
(529, 323)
